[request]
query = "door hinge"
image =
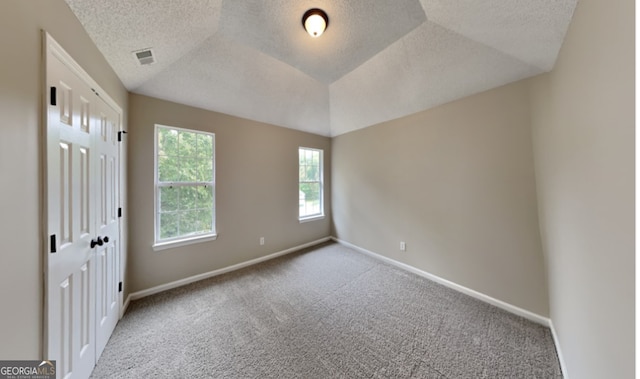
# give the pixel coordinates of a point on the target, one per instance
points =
(119, 212)
(52, 243)
(120, 133)
(53, 96)
(120, 287)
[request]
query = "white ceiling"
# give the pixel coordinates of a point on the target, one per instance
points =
(378, 59)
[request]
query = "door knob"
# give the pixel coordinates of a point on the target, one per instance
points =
(97, 242)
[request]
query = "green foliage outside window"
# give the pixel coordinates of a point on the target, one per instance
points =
(185, 183)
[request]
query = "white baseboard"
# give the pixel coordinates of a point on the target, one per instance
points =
(179, 283)
(556, 341)
(467, 291)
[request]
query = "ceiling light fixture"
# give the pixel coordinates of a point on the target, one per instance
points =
(315, 21)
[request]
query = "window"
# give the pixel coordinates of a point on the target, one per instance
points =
(310, 193)
(185, 186)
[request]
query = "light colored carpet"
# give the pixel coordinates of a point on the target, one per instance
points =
(324, 312)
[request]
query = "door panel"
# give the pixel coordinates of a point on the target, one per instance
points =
(70, 321)
(108, 228)
(85, 190)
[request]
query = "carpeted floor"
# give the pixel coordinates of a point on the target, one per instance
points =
(324, 312)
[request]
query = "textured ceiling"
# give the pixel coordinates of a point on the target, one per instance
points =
(378, 59)
(355, 33)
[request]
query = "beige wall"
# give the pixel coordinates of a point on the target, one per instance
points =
(21, 278)
(457, 184)
(583, 134)
(256, 192)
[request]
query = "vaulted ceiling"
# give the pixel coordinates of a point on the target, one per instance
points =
(378, 59)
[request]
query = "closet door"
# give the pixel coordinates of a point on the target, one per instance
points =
(71, 274)
(108, 228)
(81, 205)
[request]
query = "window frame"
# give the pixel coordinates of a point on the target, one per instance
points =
(321, 214)
(161, 244)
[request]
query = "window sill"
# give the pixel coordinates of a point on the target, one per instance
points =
(183, 242)
(310, 218)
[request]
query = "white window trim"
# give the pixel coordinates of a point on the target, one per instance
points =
(185, 240)
(317, 216)
(302, 220)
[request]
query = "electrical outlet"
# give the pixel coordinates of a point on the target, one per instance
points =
(261, 240)
(403, 246)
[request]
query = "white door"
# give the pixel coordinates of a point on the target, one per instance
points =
(82, 270)
(108, 228)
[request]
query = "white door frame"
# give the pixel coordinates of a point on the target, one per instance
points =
(50, 46)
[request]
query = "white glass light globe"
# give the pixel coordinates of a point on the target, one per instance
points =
(315, 25)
